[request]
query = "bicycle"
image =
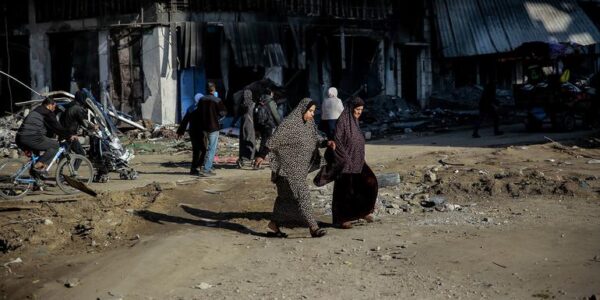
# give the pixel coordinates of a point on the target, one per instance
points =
(18, 178)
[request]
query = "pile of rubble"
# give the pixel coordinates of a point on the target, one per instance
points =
(447, 188)
(8, 130)
(390, 114)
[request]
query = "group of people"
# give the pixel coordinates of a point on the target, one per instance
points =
(259, 120)
(38, 129)
(203, 120)
(291, 145)
(293, 150)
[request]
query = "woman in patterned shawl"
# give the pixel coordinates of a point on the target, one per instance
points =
(355, 188)
(247, 135)
(293, 153)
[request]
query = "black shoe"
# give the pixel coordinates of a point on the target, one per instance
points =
(195, 172)
(37, 173)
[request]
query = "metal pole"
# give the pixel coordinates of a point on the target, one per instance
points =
(21, 83)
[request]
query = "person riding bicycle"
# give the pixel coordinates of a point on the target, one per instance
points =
(36, 131)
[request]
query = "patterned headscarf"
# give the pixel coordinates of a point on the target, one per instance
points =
(294, 142)
(349, 139)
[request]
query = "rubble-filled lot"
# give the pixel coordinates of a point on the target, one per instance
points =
(500, 222)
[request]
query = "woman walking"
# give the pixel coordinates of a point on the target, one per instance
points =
(247, 134)
(355, 188)
(293, 151)
(330, 112)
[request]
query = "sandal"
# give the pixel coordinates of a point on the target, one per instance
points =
(319, 232)
(275, 231)
(277, 234)
(345, 225)
(369, 218)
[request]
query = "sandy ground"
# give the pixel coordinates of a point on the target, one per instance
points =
(525, 226)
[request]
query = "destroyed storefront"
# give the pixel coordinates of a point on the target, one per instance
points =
(304, 47)
(151, 57)
(475, 43)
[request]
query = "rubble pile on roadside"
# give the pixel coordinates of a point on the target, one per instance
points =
(8, 130)
(457, 187)
(109, 220)
(384, 115)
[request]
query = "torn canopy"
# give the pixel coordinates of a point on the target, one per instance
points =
(256, 44)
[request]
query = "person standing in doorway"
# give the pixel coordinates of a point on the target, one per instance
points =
(210, 110)
(488, 108)
(332, 108)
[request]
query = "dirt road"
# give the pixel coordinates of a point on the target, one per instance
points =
(523, 223)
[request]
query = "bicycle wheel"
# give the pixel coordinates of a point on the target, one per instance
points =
(77, 167)
(15, 181)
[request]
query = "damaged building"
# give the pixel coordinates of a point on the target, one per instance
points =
(477, 40)
(151, 57)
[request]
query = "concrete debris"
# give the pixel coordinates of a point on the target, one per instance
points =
(8, 131)
(203, 286)
(388, 179)
(430, 176)
(72, 282)
(17, 260)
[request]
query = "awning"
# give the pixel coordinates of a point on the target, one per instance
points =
(477, 27)
(256, 44)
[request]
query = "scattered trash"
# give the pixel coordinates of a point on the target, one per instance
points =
(594, 161)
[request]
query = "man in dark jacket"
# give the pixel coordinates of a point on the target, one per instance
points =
(197, 137)
(210, 110)
(36, 130)
(270, 121)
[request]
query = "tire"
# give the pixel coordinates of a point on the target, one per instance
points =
(568, 122)
(84, 174)
(564, 122)
(9, 188)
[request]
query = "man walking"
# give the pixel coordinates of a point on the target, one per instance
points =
(266, 117)
(210, 110)
(196, 134)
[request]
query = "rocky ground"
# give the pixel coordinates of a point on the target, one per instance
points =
(500, 217)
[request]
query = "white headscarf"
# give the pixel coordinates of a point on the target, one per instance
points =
(332, 92)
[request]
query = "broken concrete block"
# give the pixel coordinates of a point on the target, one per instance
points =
(388, 179)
